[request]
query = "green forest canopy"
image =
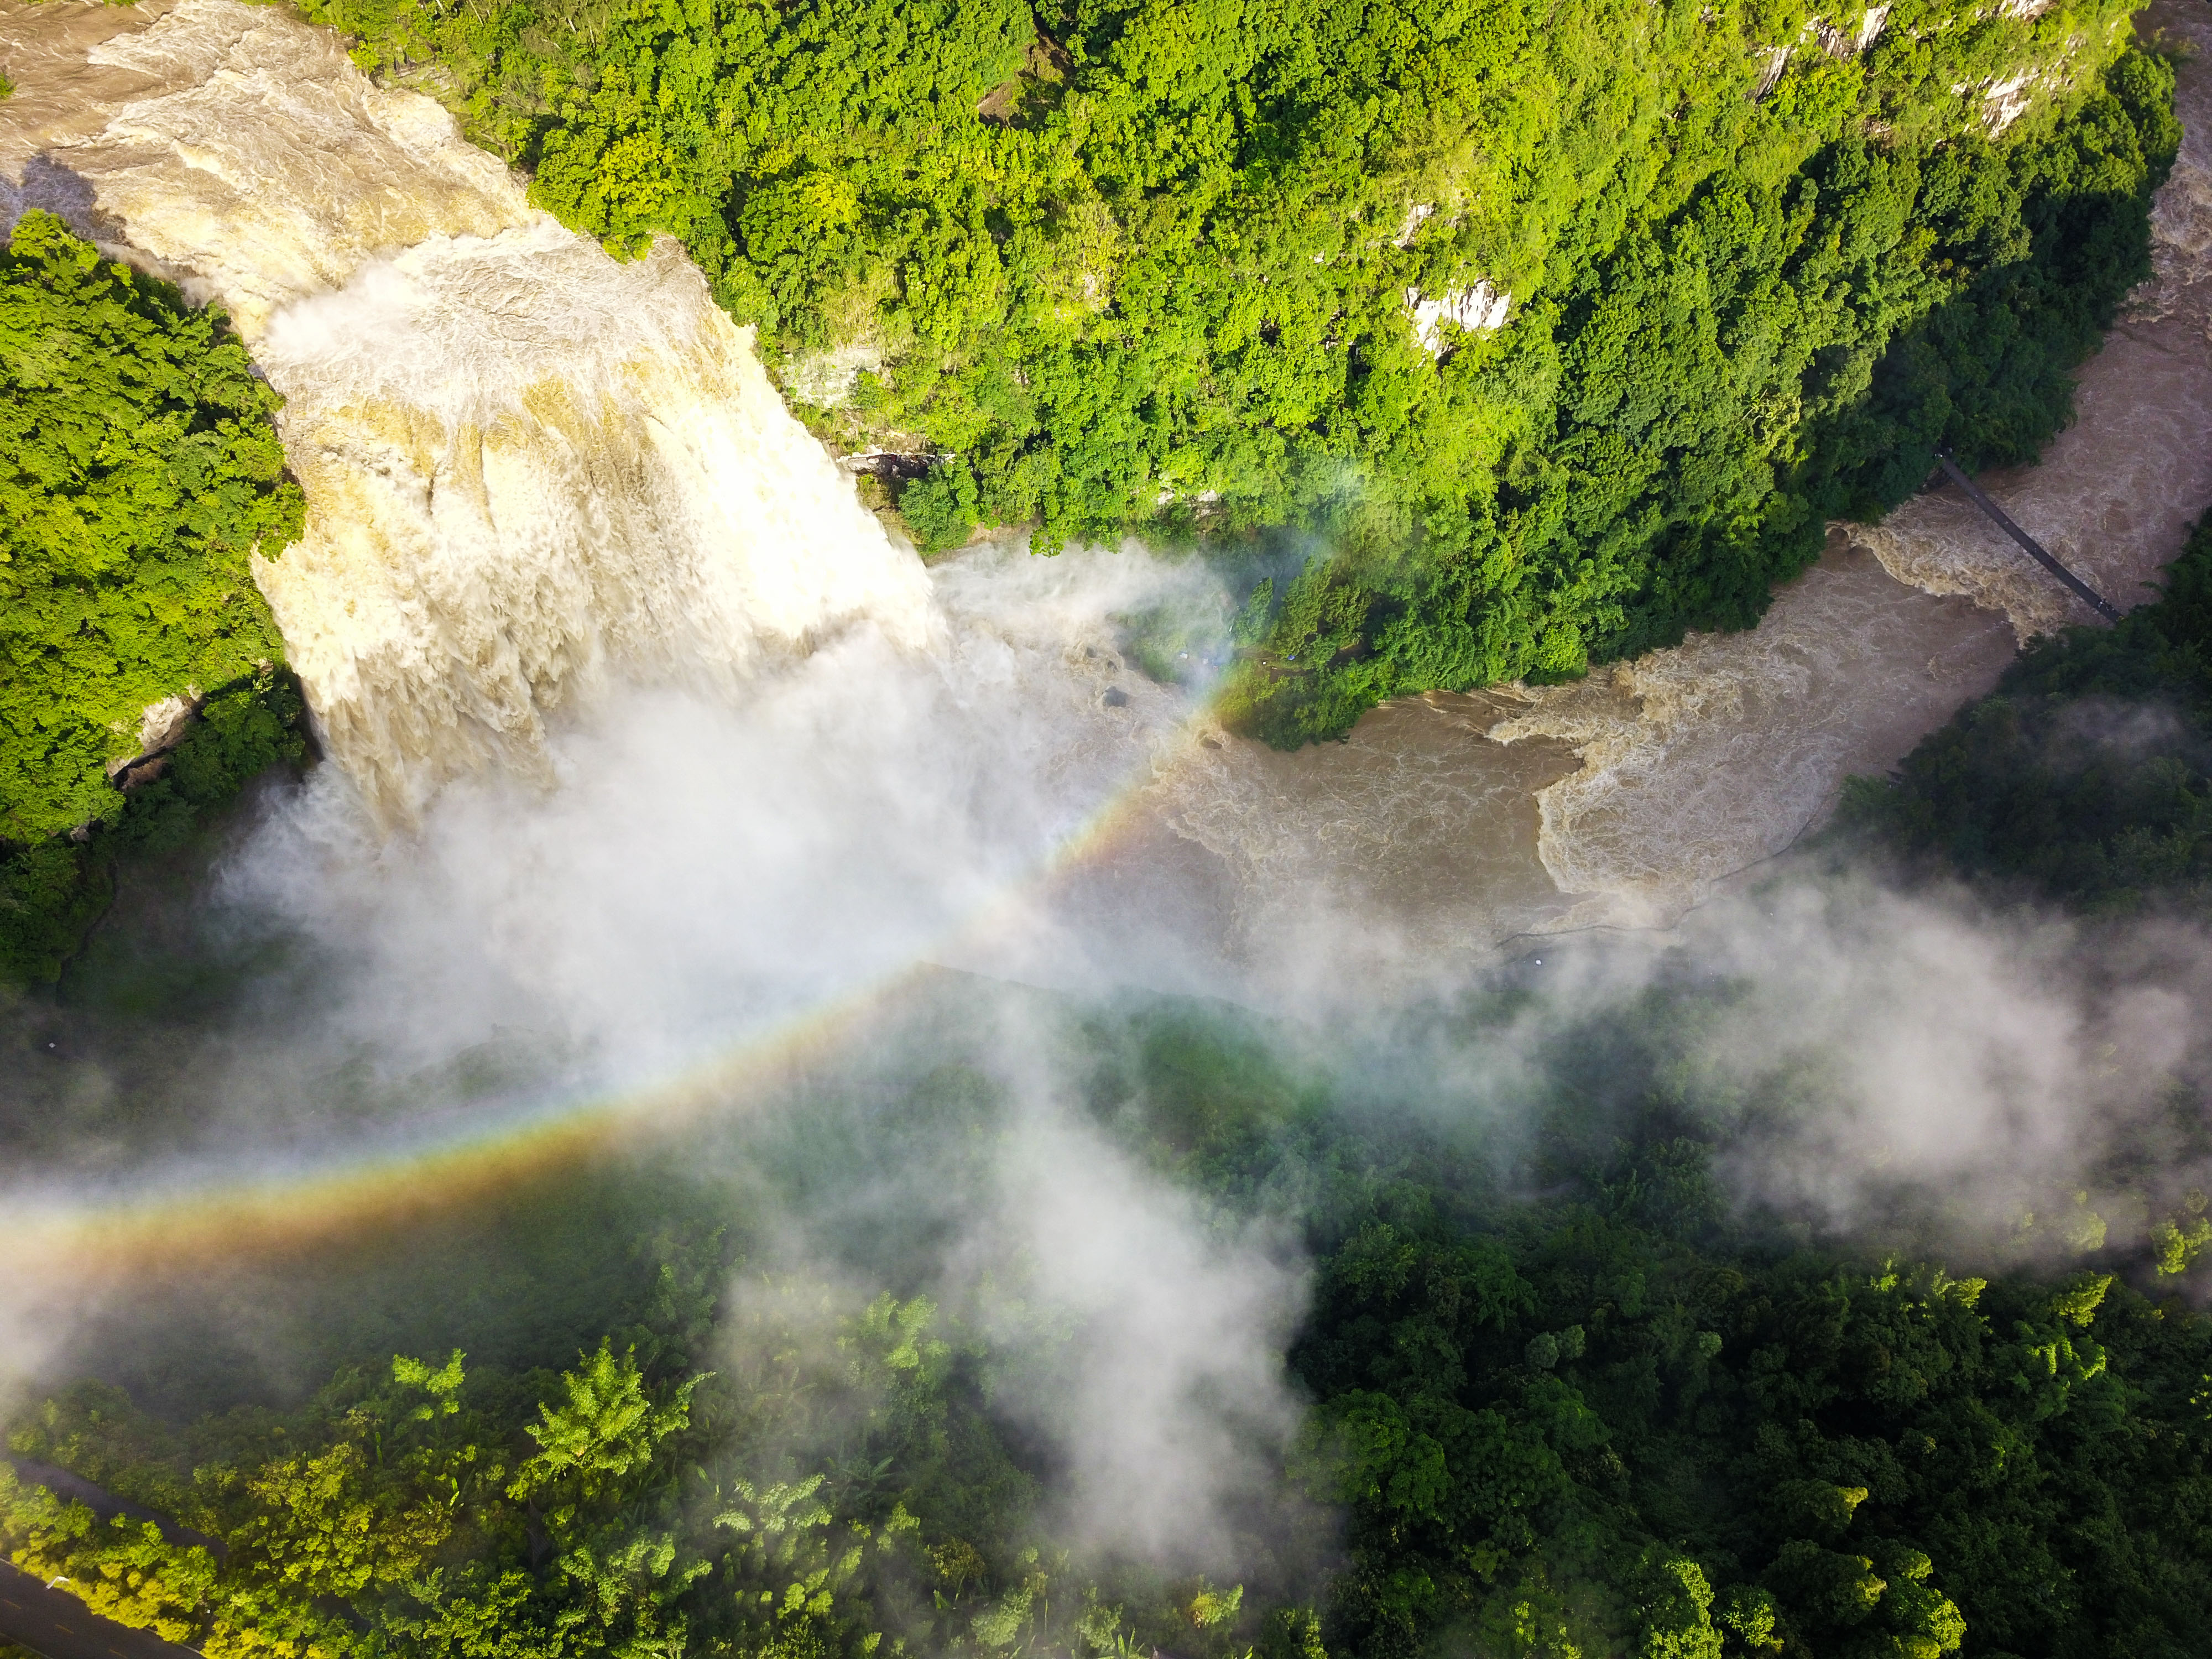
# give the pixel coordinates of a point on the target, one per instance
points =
(139, 469)
(1148, 265)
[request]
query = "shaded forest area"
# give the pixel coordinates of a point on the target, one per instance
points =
(1566, 1395)
(2086, 778)
(1150, 266)
(1567, 1392)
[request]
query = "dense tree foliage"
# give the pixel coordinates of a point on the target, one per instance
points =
(1804, 1458)
(1148, 265)
(1158, 265)
(1623, 1416)
(138, 470)
(1154, 264)
(2087, 776)
(631, 1505)
(141, 469)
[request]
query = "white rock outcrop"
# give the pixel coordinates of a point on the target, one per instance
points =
(1478, 310)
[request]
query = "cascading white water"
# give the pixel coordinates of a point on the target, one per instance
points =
(530, 468)
(533, 469)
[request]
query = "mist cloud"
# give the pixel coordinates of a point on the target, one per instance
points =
(1871, 1060)
(1170, 1403)
(705, 872)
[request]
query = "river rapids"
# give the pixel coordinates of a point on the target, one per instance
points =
(528, 467)
(535, 473)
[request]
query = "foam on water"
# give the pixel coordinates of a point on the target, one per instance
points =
(1702, 760)
(533, 470)
(530, 468)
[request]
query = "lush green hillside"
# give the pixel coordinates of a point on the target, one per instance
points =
(138, 470)
(1149, 264)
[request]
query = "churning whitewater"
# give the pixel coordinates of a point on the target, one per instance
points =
(530, 469)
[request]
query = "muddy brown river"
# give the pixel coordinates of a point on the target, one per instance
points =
(1624, 798)
(490, 541)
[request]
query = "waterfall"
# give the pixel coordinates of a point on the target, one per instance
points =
(531, 468)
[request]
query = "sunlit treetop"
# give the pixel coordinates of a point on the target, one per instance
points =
(139, 468)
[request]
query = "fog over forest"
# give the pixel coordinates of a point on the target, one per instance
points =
(1167, 829)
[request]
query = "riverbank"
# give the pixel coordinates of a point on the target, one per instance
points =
(1623, 798)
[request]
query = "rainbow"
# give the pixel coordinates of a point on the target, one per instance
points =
(148, 1224)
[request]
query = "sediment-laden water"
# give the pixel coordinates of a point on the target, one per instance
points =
(1699, 761)
(534, 471)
